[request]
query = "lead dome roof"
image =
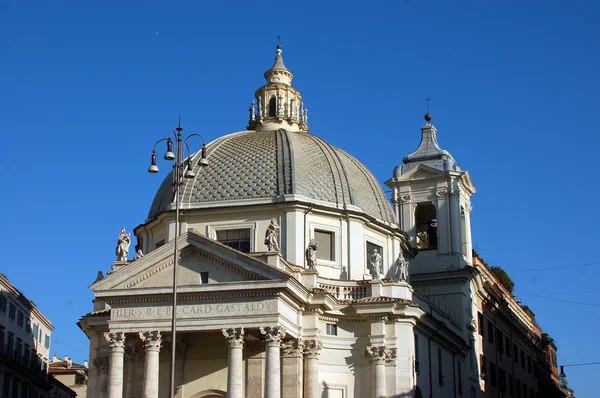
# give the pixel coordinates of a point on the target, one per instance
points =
(277, 166)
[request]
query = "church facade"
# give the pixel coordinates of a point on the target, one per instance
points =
(297, 277)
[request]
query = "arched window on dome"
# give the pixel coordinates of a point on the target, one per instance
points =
(273, 106)
(426, 223)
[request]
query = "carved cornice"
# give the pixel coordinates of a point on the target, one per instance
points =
(272, 335)
(116, 341)
(151, 340)
(234, 337)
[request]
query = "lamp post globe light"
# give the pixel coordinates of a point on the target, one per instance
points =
(182, 168)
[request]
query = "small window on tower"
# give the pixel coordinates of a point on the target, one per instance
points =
(273, 106)
(325, 240)
(203, 278)
(331, 329)
(238, 239)
(426, 223)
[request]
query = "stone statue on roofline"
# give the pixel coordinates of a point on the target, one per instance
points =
(311, 254)
(123, 242)
(272, 236)
(139, 254)
(401, 268)
(375, 264)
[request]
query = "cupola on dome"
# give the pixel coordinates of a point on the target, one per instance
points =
(277, 160)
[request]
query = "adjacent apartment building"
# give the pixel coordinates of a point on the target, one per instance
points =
(25, 335)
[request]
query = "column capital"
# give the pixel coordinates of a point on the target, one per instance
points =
(234, 337)
(101, 365)
(116, 340)
(376, 354)
(151, 340)
(390, 356)
(292, 348)
(312, 348)
(273, 334)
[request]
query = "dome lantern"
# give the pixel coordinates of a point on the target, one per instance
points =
(278, 104)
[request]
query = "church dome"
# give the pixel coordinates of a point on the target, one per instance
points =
(273, 166)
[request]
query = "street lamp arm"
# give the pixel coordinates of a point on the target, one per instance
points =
(197, 135)
(158, 142)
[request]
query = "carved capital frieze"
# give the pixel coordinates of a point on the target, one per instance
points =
(292, 348)
(151, 340)
(312, 348)
(376, 354)
(404, 199)
(441, 193)
(116, 341)
(390, 356)
(234, 337)
(101, 365)
(272, 335)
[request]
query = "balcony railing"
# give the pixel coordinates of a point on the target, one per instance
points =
(345, 290)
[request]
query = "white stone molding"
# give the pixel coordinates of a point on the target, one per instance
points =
(292, 368)
(235, 379)
(152, 341)
(116, 341)
(404, 199)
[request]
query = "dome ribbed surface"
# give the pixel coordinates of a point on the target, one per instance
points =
(271, 164)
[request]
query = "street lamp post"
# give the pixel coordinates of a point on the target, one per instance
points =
(182, 168)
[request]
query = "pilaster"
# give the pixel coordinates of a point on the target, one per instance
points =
(292, 368)
(312, 349)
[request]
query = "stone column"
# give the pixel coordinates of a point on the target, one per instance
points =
(101, 365)
(235, 380)
(273, 336)
(116, 341)
(292, 369)
(151, 342)
(377, 355)
(312, 349)
(390, 372)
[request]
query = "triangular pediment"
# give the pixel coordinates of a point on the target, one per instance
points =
(421, 171)
(200, 258)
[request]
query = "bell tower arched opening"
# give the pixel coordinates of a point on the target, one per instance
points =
(426, 225)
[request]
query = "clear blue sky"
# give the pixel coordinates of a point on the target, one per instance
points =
(88, 87)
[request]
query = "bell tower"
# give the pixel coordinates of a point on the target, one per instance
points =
(432, 201)
(277, 104)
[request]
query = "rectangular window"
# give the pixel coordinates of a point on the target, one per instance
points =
(331, 329)
(518, 388)
(12, 311)
(203, 278)
(529, 364)
(511, 387)
(524, 390)
(27, 325)
(481, 324)
(507, 343)
(325, 240)
(18, 350)
(47, 341)
(3, 303)
(493, 374)
(523, 359)
(500, 341)
(501, 380)
(490, 332)
(531, 392)
(440, 367)
(20, 319)
(482, 363)
(35, 331)
(238, 239)
(416, 353)
(516, 351)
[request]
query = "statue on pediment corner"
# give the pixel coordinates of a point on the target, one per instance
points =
(123, 242)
